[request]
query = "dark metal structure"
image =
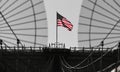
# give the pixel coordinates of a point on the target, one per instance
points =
(46, 59)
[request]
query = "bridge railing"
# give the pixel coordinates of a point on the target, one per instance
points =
(41, 48)
(52, 45)
(84, 49)
(22, 48)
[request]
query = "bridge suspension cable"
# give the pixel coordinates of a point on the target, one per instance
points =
(79, 68)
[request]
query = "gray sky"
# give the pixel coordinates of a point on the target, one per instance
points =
(69, 9)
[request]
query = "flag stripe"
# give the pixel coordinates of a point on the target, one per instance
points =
(67, 24)
(62, 21)
(59, 22)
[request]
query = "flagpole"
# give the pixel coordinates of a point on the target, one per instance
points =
(56, 31)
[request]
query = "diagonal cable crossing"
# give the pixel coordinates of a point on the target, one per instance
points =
(10, 27)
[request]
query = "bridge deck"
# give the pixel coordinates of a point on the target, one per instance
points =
(44, 60)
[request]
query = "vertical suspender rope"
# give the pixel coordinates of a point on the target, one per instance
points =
(35, 23)
(91, 23)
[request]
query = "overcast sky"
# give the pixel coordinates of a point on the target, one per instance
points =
(69, 9)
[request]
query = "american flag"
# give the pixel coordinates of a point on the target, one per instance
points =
(62, 21)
